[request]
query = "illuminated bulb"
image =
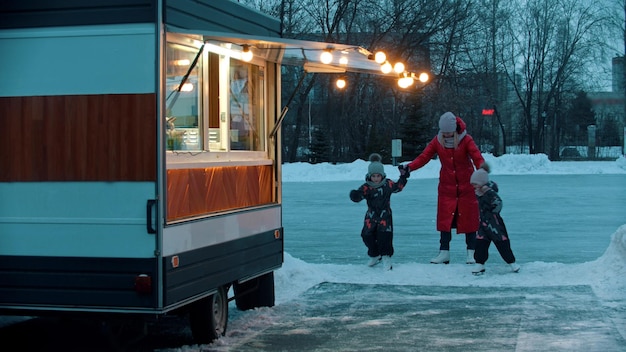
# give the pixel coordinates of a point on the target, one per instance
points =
(386, 67)
(423, 77)
(405, 82)
(246, 54)
(326, 57)
(398, 67)
(341, 83)
(380, 57)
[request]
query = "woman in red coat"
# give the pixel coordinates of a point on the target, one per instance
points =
(457, 206)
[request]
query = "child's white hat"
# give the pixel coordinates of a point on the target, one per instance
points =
(481, 175)
(375, 167)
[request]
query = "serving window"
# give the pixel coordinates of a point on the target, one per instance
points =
(214, 104)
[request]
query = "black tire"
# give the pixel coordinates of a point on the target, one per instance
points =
(258, 292)
(208, 317)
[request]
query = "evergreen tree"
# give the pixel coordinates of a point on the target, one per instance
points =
(579, 115)
(609, 133)
(319, 150)
(416, 131)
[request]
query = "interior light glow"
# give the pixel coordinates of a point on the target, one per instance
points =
(343, 60)
(181, 62)
(423, 77)
(341, 83)
(187, 87)
(219, 50)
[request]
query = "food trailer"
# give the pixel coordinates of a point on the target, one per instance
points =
(140, 172)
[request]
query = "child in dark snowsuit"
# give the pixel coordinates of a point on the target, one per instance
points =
(377, 232)
(492, 228)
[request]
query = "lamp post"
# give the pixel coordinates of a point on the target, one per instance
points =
(545, 128)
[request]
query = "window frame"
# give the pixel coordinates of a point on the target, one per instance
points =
(208, 155)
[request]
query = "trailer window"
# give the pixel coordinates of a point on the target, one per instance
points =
(246, 106)
(214, 101)
(184, 91)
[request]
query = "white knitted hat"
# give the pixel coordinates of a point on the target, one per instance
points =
(479, 177)
(447, 122)
(376, 167)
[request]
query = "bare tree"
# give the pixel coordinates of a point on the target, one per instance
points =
(544, 44)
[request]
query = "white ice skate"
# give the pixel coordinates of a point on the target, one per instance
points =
(470, 257)
(374, 260)
(443, 257)
(387, 262)
(479, 269)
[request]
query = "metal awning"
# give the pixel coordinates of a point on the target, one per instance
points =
(296, 52)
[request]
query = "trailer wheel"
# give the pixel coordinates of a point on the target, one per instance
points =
(258, 292)
(208, 317)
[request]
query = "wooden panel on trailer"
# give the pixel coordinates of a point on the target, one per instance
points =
(109, 137)
(194, 192)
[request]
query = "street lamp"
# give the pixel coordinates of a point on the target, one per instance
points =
(545, 127)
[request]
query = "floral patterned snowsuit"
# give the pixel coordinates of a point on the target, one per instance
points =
(492, 228)
(377, 232)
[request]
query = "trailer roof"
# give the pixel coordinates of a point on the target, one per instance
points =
(296, 52)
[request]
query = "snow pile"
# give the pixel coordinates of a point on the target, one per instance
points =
(606, 275)
(508, 164)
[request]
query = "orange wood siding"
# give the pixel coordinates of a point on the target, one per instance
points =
(109, 137)
(194, 192)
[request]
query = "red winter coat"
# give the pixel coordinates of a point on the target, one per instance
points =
(455, 193)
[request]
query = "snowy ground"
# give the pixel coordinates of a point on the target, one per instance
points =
(566, 221)
(568, 231)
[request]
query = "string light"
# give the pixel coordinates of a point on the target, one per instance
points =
(341, 83)
(246, 54)
(326, 57)
(380, 57)
(406, 80)
(386, 67)
(398, 67)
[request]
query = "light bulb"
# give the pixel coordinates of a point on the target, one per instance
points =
(380, 57)
(246, 54)
(405, 82)
(341, 83)
(398, 67)
(423, 77)
(326, 57)
(386, 67)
